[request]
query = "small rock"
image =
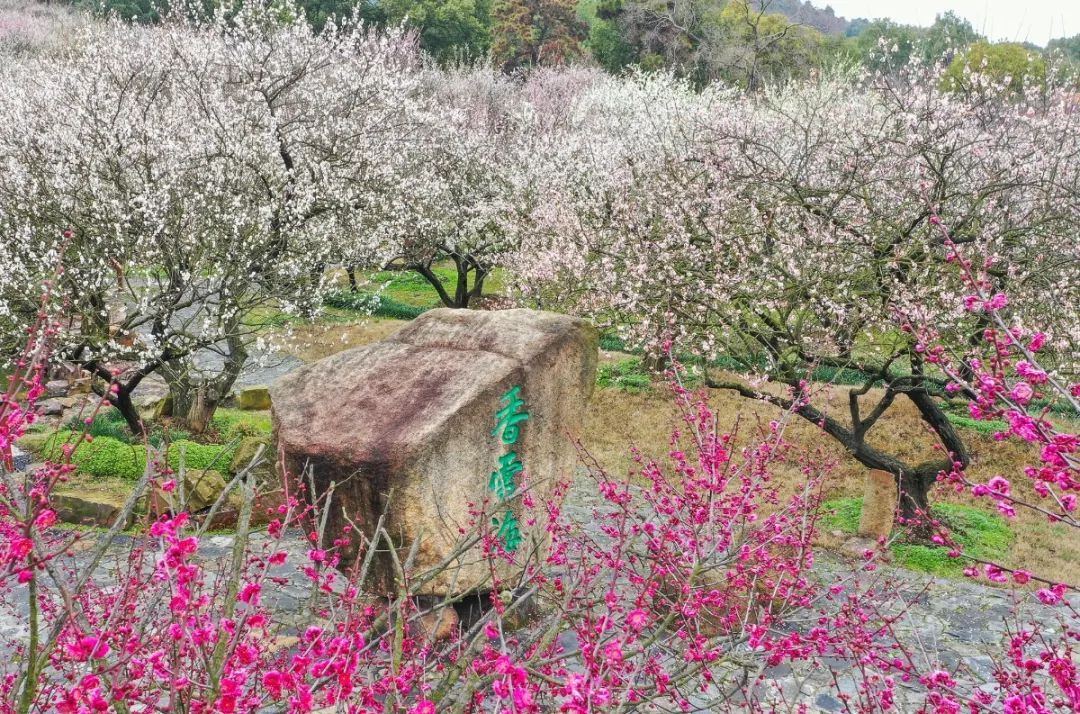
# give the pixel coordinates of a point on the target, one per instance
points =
(20, 459)
(51, 407)
(200, 491)
(857, 547)
(827, 703)
(245, 453)
(162, 407)
(254, 398)
(97, 509)
(263, 510)
(68, 402)
(441, 625)
(56, 388)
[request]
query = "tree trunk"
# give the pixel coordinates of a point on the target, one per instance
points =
(914, 481)
(196, 399)
(202, 408)
(654, 362)
(915, 488)
(122, 401)
(351, 272)
(121, 398)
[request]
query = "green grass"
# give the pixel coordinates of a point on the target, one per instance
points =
(408, 287)
(628, 375)
(230, 424)
(985, 428)
(979, 534)
(377, 305)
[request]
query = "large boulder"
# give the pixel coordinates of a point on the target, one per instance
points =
(90, 507)
(254, 398)
(428, 424)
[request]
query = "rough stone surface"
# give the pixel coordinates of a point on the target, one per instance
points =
(88, 509)
(81, 385)
(245, 452)
(56, 388)
(202, 488)
(20, 460)
(51, 407)
(254, 398)
(405, 426)
(162, 407)
(879, 505)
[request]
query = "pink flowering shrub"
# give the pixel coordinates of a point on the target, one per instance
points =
(1004, 377)
(678, 586)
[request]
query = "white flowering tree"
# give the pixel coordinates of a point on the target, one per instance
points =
(193, 177)
(454, 187)
(795, 231)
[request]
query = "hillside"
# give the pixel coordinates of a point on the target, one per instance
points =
(824, 21)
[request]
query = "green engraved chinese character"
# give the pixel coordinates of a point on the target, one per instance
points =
(507, 418)
(509, 532)
(501, 482)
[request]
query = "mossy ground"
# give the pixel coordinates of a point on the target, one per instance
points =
(980, 534)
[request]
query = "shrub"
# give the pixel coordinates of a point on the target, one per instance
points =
(986, 428)
(613, 343)
(107, 457)
(110, 423)
(230, 424)
(104, 456)
(107, 422)
(200, 456)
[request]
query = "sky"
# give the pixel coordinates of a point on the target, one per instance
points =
(1021, 20)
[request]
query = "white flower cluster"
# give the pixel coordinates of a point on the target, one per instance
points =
(189, 178)
(801, 225)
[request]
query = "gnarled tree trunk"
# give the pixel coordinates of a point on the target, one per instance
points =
(194, 398)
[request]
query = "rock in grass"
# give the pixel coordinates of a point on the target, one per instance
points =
(93, 508)
(20, 460)
(448, 413)
(50, 407)
(202, 488)
(163, 407)
(57, 388)
(255, 398)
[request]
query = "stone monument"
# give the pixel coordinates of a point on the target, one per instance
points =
(458, 408)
